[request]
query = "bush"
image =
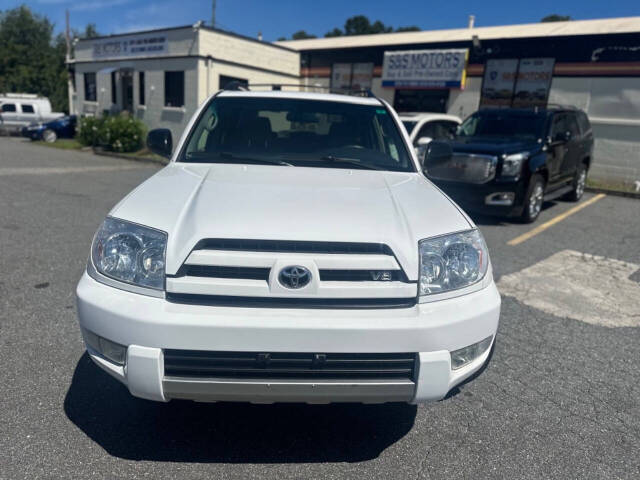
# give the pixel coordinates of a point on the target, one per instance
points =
(89, 131)
(119, 133)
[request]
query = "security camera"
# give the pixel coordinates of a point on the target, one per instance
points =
(197, 25)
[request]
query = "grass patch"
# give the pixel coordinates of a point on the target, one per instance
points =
(62, 143)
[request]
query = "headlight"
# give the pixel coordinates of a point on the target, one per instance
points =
(452, 261)
(130, 253)
(512, 164)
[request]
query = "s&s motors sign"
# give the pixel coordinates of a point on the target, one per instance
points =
(425, 68)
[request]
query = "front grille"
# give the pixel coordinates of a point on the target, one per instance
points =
(249, 273)
(289, 302)
(254, 273)
(464, 168)
(292, 246)
(262, 365)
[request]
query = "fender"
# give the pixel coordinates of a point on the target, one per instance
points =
(537, 162)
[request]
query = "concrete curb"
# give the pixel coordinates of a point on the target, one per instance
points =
(160, 161)
(617, 193)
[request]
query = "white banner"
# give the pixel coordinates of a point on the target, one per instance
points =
(341, 76)
(130, 46)
(425, 68)
(361, 76)
(499, 79)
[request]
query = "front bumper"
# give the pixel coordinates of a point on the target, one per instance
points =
(148, 326)
(474, 198)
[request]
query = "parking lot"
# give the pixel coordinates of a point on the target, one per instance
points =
(560, 398)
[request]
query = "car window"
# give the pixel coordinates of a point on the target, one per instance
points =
(559, 125)
(503, 124)
(8, 107)
(583, 122)
(26, 108)
(308, 133)
(572, 125)
(409, 125)
(429, 129)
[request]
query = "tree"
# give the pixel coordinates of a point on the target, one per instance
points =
(301, 35)
(90, 31)
(360, 25)
(411, 28)
(554, 17)
(336, 32)
(30, 61)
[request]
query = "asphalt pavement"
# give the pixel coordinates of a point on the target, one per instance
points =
(560, 398)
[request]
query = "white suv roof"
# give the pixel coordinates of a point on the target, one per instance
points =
(331, 97)
(418, 116)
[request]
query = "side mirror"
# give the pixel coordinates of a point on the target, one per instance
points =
(437, 152)
(159, 142)
(562, 137)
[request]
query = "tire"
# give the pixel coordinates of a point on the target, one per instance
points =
(578, 184)
(49, 136)
(534, 199)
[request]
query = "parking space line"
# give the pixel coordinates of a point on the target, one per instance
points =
(541, 228)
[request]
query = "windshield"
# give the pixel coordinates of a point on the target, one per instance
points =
(508, 124)
(295, 132)
(409, 124)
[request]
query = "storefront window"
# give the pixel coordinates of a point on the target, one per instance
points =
(90, 87)
(141, 88)
(174, 89)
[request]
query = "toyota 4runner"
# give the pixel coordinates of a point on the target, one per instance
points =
(291, 251)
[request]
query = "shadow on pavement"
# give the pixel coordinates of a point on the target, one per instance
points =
(180, 431)
(480, 219)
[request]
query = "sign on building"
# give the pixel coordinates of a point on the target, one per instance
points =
(425, 68)
(533, 82)
(133, 46)
(499, 80)
(351, 76)
(516, 83)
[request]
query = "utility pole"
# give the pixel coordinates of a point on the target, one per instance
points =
(213, 13)
(67, 37)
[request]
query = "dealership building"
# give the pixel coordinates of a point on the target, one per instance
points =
(161, 76)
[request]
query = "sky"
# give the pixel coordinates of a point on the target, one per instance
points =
(281, 18)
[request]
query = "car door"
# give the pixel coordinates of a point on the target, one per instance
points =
(557, 148)
(9, 114)
(28, 113)
(573, 148)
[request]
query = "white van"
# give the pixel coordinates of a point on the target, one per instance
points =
(21, 109)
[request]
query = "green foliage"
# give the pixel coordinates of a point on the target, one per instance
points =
(360, 25)
(120, 133)
(301, 35)
(88, 131)
(30, 62)
(554, 17)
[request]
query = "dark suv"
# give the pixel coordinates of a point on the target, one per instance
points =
(508, 161)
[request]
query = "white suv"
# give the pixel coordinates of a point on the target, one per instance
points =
(291, 251)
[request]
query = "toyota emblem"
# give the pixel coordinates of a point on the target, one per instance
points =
(294, 277)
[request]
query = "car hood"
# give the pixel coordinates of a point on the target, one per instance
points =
(494, 145)
(197, 201)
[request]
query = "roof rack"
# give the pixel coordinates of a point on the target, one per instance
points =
(559, 106)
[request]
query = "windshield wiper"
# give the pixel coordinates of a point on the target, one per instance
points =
(226, 156)
(350, 161)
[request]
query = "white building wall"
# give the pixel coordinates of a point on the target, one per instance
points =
(154, 113)
(464, 102)
(613, 106)
(238, 50)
